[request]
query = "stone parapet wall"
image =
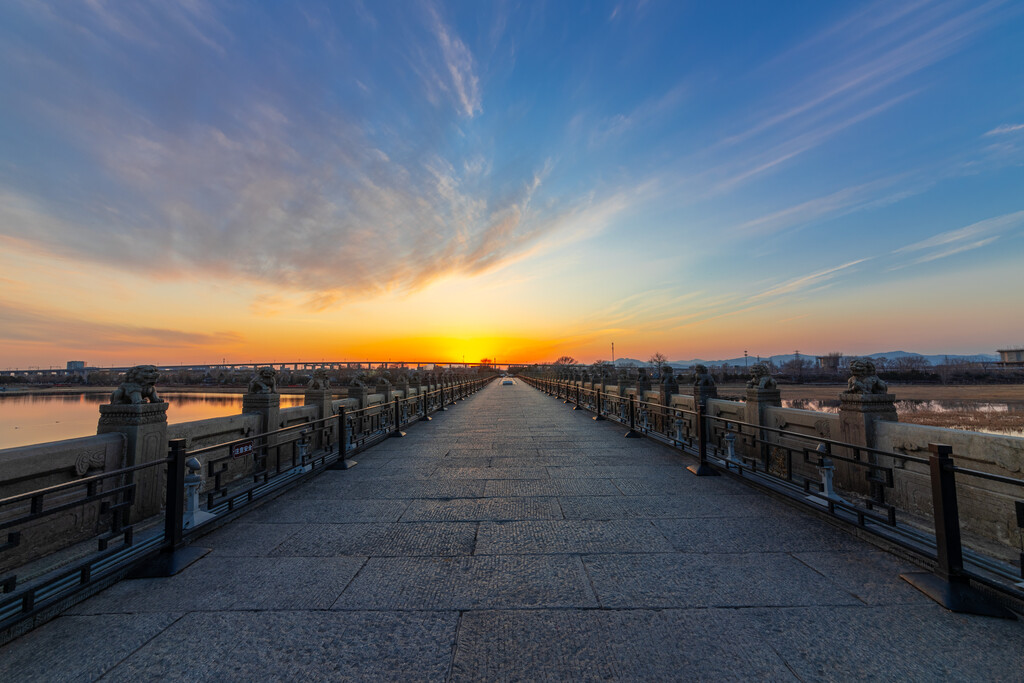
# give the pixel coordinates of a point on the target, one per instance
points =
(30, 468)
(201, 433)
(987, 508)
(289, 417)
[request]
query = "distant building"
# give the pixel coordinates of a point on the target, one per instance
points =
(1011, 358)
(76, 365)
(830, 362)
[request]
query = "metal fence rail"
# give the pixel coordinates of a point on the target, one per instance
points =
(162, 548)
(803, 468)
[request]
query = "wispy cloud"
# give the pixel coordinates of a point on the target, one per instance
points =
(863, 62)
(1006, 128)
(458, 61)
(21, 324)
(278, 190)
(805, 281)
(950, 242)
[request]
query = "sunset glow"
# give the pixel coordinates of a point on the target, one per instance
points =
(458, 180)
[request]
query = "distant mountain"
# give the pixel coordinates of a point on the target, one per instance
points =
(782, 359)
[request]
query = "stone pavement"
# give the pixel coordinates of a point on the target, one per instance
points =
(514, 539)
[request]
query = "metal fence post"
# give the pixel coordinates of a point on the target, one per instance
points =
(632, 433)
(398, 419)
(702, 468)
(949, 586)
(175, 504)
(597, 404)
(577, 406)
(174, 555)
(423, 402)
(343, 463)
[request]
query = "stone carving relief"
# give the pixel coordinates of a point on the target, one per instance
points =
(94, 459)
(823, 428)
(778, 463)
(139, 386)
(864, 379)
(761, 378)
(264, 381)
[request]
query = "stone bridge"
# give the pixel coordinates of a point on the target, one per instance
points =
(512, 538)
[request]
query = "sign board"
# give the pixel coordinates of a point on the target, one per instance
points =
(242, 449)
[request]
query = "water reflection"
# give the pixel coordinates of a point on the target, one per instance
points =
(33, 418)
(990, 417)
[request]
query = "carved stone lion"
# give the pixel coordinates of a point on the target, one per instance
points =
(864, 379)
(319, 381)
(702, 376)
(761, 378)
(264, 381)
(138, 386)
(360, 380)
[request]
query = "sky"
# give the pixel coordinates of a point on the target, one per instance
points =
(186, 182)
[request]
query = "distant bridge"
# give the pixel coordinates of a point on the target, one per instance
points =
(213, 368)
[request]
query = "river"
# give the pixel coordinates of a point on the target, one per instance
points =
(27, 419)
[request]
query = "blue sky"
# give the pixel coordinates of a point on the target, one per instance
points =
(529, 177)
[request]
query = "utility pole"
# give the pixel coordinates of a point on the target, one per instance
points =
(613, 353)
(744, 358)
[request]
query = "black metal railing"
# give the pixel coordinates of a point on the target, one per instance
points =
(238, 472)
(804, 468)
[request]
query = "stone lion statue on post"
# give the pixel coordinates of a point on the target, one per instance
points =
(761, 378)
(863, 379)
(319, 381)
(139, 386)
(702, 376)
(264, 381)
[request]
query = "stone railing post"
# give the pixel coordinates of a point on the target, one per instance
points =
(759, 400)
(262, 399)
(666, 388)
(704, 386)
(864, 403)
(360, 393)
(323, 399)
(145, 428)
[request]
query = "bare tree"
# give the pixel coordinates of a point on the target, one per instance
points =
(911, 364)
(565, 360)
(657, 361)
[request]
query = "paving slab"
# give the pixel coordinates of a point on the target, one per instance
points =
(338, 511)
(756, 534)
(465, 583)
(79, 648)
(700, 580)
(626, 645)
(893, 643)
(297, 646)
(482, 509)
(666, 507)
(232, 583)
(570, 536)
(380, 540)
(552, 487)
(388, 489)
